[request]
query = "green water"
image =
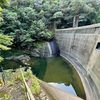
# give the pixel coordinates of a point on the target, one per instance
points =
(56, 71)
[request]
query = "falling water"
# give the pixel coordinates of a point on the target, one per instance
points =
(49, 48)
(52, 49)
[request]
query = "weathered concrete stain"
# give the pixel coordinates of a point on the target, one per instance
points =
(80, 43)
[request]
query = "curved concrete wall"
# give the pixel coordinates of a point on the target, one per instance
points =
(80, 43)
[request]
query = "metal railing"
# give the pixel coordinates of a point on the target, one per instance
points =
(29, 93)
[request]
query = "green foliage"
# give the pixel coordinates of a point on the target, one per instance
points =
(27, 74)
(4, 2)
(38, 45)
(58, 15)
(19, 77)
(4, 95)
(23, 86)
(1, 14)
(34, 21)
(11, 82)
(26, 23)
(1, 59)
(35, 87)
(4, 42)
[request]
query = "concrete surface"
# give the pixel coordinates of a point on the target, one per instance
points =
(89, 86)
(80, 43)
(57, 94)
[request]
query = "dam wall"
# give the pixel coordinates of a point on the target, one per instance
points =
(83, 44)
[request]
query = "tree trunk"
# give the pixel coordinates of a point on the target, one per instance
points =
(75, 21)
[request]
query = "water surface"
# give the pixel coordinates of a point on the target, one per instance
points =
(59, 73)
(56, 71)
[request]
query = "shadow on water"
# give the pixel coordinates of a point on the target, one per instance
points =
(11, 64)
(38, 67)
(56, 71)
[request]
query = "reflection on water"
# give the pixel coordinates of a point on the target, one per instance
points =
(11, 64)
(62, 86)
(60, 73)
(56, 71)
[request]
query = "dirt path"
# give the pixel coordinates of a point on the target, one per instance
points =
(18, 93)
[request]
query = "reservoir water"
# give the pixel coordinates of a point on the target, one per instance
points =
(56, 71)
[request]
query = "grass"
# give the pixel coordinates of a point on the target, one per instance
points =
(16, 76)
(34, 85)
(5, 92)
(4, 95)
(13, 77)
(23, 86)
(29, 77)
(35, 88)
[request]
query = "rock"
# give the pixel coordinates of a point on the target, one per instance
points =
(21, 57)
(10, 58)
(35, 52)
(48, 49)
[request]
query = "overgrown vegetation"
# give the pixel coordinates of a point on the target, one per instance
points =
(16, 78)
(33, 21)
(32, 81)
(4, 40)
(4, 95)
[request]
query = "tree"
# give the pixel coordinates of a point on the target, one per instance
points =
(31, 21)
(28, 23)
(82, 10)
(3, 2)
(4, 40)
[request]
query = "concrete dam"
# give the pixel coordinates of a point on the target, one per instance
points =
(81, 47)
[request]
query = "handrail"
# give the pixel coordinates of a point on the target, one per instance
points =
(30, 95)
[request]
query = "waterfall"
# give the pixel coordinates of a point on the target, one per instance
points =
(55, 48)
(50, 50)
